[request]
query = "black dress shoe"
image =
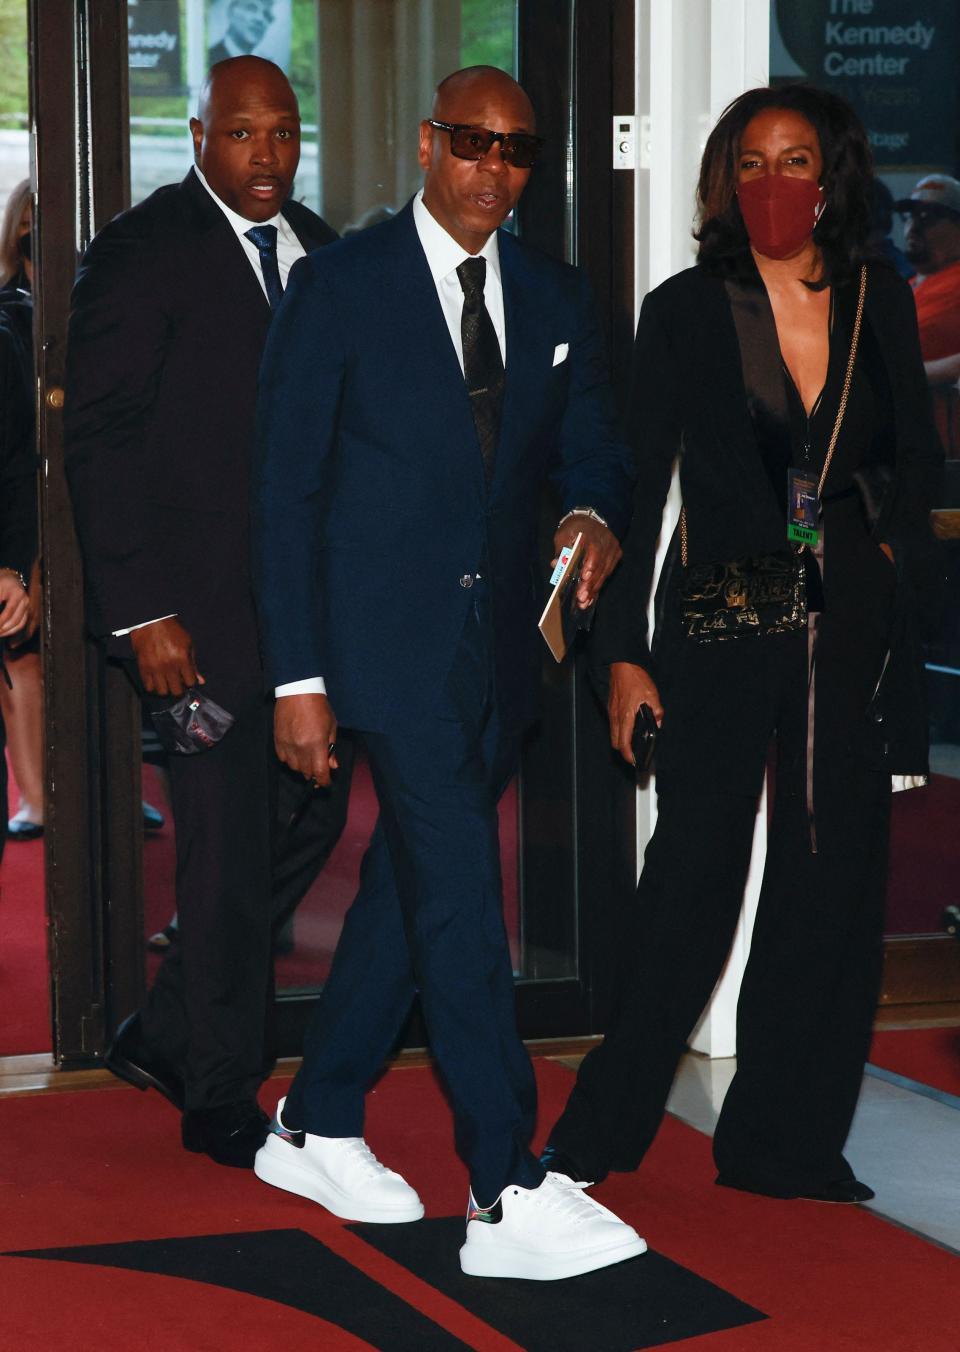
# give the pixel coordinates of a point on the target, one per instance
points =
(231, 1134)
(847, 1191)
(127, 1058)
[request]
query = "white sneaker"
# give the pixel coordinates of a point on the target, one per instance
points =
(545, 1233)
(341, 1173)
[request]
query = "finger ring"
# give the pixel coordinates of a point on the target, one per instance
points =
(331, 748)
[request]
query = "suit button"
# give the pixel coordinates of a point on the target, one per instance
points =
(466, 580)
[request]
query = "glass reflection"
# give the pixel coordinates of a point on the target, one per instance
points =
(364, 74)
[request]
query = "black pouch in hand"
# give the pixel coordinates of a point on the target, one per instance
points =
(193, 723)
(644, 740)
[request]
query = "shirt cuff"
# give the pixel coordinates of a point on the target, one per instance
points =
(312, 685)
(119, 633)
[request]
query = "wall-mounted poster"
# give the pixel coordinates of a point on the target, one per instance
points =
(154, 46)
(249, 27)
(894, 60)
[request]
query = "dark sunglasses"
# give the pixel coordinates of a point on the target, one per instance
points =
(518, 148)
(927, 215)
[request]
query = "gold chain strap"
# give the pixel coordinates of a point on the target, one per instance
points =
(847, 380)
(841, 410)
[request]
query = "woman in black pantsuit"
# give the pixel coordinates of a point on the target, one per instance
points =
(741, 365)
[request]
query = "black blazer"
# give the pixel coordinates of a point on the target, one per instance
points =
(166, 333)
(18, 460)
(688, 399)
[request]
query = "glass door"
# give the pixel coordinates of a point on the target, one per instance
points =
(122, 92)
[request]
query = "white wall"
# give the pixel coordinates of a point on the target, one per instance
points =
(692, 58)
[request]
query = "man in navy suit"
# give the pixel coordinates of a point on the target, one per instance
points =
(420, 380)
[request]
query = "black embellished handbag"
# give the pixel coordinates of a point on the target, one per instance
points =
(765, 594)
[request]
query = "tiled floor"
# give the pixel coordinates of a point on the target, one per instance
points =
(905, 1142)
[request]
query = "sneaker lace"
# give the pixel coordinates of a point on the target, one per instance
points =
(362, 1158)
(567, 1198)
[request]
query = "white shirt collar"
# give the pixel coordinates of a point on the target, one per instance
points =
(240, 223)
(444, 254)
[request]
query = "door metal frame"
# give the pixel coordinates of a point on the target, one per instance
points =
(92, 836)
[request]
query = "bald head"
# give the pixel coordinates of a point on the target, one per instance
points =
(236, 80)
(246, 135)
(477, 83)
(471, 197)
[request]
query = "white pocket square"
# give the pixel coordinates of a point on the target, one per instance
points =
(560, 353)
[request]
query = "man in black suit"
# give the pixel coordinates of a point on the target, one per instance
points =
(18, 508)
(421, 380)
(171, 309)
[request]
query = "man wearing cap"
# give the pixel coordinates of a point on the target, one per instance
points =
(932, 244)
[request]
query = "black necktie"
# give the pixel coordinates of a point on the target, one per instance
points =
(482, 362)
(265, 238)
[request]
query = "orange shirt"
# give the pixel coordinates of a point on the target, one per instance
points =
(938, 312)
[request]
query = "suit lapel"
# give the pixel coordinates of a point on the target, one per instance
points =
(722, 370)
(425, 340)
(530, 343)
(222, 256)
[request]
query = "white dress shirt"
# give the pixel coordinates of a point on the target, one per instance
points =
(289, 249)
(444, 256)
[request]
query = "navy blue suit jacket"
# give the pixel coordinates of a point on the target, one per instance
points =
(370, 503)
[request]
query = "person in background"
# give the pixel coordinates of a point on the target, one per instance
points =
(247, 25)
(170, 312)
(932, 244)
(881, 227)
(21, 702)
(420, 381)
(19, 611)
(782, 360)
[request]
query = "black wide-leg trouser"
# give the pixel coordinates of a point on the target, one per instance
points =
(812, 980)
(251, 837)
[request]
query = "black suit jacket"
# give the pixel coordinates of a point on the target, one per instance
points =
(688, 399)
(166, 333)
(18, 460)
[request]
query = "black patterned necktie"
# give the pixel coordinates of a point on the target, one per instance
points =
(265, 238)
(482, 360)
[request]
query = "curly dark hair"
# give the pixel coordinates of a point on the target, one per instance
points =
(842, 231)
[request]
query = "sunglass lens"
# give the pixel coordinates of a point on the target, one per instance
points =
(470, 143)
(520, 151)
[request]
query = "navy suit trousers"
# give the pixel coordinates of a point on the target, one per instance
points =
(428, 919)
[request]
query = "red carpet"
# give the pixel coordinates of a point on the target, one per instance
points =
(105, 1168)
(24, 983)
(929, 1055)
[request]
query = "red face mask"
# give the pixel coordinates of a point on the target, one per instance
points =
(779, 212)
